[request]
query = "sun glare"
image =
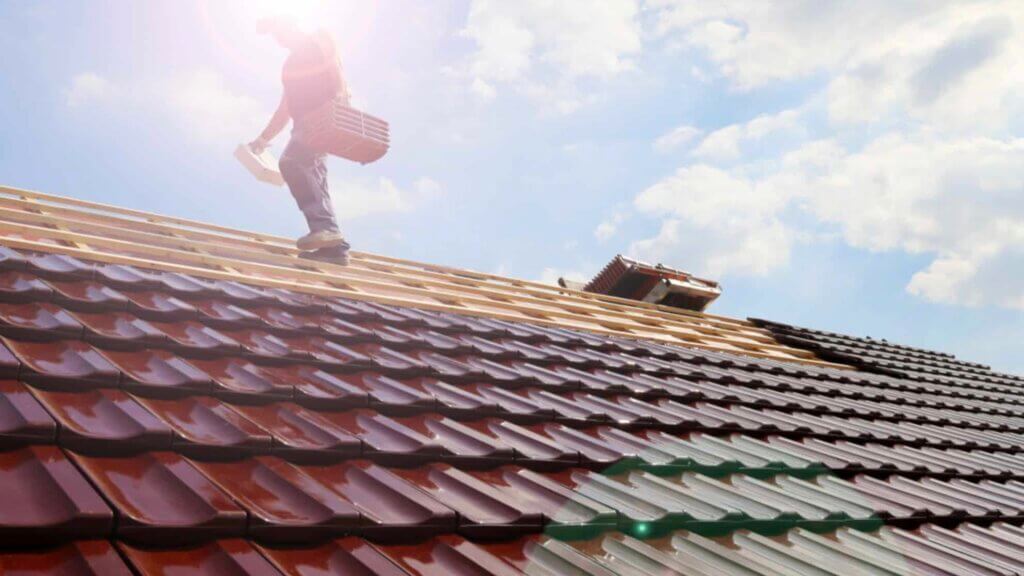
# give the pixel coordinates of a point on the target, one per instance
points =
(307, 13)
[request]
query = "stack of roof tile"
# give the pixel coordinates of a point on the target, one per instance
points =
(154, 422)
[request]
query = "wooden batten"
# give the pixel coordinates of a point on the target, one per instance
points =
(46, 223)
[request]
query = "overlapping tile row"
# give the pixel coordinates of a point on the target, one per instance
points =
(918, 364)
(228, 348)
(217, 426)
(114, 421)
(933, 550)
(162, 498)
(488, 424)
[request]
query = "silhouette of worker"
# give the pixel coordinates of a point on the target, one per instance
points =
(311, 77)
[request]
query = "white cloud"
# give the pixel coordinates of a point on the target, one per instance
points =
(541, 48)
(917, 153)
(725, 143)
(715, 223)
(699, 74)
(976, 280)
(87, 88)
(605, 230)
(953, 64)
(610, 226)
(754, 42)
(208, 109)
(358, 198)
(956, 201)
(678, 136)
(197, 102)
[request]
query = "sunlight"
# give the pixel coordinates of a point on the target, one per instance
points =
(231, 25)
(307, 13)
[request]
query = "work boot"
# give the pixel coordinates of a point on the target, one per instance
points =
(321, 239)
(332, 254)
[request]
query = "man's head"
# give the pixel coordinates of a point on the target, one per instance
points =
(284, 29)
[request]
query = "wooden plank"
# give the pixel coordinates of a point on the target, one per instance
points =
(196, 242)
(229, 234)
(565, 310)
(340, 275)
(322, 290)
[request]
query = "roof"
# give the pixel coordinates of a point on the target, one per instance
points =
(882, 356)
(156, 420)
(108, 234)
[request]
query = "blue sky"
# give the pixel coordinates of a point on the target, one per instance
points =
(846, 166)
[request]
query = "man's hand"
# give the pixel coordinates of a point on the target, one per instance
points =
(276, 125)
(259, 145)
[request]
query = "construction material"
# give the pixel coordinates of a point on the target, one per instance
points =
(46, 223)
(659, 284)
(338, 129)
(263, 165)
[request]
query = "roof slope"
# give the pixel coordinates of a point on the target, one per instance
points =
(153, 421)
(52, 224)
(883, 356)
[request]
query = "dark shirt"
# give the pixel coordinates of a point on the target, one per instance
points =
(311, 75)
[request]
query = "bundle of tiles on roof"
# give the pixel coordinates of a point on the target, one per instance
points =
(155, 422)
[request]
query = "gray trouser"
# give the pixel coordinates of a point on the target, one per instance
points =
(306, 174)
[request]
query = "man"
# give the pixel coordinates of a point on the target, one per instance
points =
(311, 77)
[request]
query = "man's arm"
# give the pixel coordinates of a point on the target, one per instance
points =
(277, 123)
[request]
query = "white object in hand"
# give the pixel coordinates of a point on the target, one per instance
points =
(263, 165)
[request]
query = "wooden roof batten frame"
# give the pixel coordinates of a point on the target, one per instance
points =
(215, 251)
(201, 230)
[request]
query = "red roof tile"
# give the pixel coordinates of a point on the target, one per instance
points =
(207, 425)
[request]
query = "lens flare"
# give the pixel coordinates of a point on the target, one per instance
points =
(642, 529)
(308, 14)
